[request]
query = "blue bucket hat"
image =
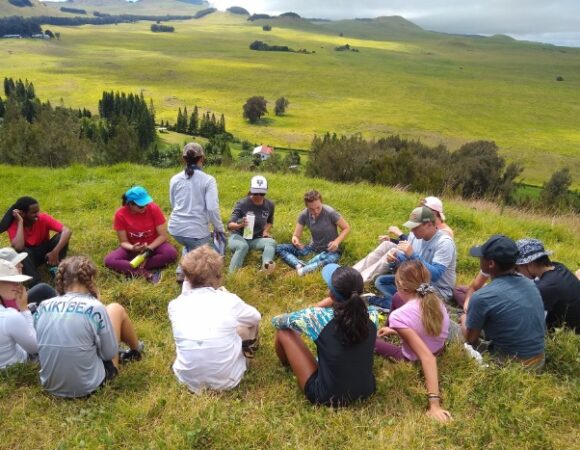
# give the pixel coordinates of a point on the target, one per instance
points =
(530, 250)
(138, 195)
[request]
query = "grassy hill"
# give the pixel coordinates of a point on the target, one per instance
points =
(436, 87)
(494, 407)
(38, 8)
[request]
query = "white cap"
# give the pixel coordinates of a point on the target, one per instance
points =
(258, 185)
(435, 204)
(9, 272)
(11, 255)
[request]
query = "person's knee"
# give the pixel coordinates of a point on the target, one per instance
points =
(116, 309)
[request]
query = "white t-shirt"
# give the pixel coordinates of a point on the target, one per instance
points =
(17, 336)
(209, 350)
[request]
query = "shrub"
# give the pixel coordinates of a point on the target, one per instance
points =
(281, 105)
(267, 28)
(254, 108)
(238, 10)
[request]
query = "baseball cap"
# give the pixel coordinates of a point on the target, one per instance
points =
(435, 204)
(194, 149)
(498, 248)
(258, 185)
(418, 216)
(530, 250)
(11, 255)
(9, 272)
(327, 273)
(138, 195)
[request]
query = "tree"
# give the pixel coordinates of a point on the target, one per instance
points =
(255, 108)
(555, 192)
(267, 28)
(193, 126)
(281, 105)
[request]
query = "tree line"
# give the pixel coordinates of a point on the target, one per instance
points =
(158, 28)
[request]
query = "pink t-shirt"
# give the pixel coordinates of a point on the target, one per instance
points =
(409, 316)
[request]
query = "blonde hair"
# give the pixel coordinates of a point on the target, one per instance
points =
(409, 278)
(77, 269)
(203, 267)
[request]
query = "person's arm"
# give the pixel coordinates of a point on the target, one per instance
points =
(429, 365)
(471, 335)
(344, 230)
(18, 240)
(124, 242)
(477, 283)
(213, 207)
(267, 228)
(298, 229)
(20, 326)
(161, 237)
(246, 314)
(237, 219)
(441, 260)
(52, 256)
(107, 343)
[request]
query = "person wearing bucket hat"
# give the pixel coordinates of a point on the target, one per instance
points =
(559, 288)
(17, 334)
(29, 231)
(344, 335)
(250, 224)
(497, 309)
(141, 230)
(36, 293)
(193, 195)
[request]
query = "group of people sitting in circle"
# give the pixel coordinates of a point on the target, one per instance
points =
(77, 339)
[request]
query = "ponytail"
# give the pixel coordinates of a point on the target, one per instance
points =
(23, 204)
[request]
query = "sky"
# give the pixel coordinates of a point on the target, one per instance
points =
(551, 21)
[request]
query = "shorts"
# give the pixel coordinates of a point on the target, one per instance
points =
(310, 388)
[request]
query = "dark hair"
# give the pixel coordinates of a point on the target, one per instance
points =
(543, 261)
(312, 196)
(351, 314)
(191, 160)
(23, 204)
(505, 266)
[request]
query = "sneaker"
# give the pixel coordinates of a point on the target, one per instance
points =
(53, 270)
(300, 271)
(269, 267)
(130, 355)
(250, 347)
(156, 277)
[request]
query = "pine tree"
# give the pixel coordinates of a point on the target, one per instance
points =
(179, 121)
(222, 125)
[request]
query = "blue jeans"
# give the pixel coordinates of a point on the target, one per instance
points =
(385, 284)
(190, 244)
(290, 253)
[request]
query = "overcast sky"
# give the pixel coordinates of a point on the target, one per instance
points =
(554, 21)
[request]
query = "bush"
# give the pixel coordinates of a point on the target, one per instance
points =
(162, 28)
(254, 108)
(281, 105)
(266, 28)
(238, 10)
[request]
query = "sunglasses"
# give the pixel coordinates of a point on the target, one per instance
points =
(260, 195)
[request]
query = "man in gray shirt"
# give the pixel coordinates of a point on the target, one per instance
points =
(322, 221)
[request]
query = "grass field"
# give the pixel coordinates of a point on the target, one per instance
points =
(431, 86)
(493, 408)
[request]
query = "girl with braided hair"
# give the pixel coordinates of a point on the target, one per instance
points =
(78, 337)
(422, 323)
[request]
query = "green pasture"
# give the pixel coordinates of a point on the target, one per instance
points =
(493, 407)
(434, 87)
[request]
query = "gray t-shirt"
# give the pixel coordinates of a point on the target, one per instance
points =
(263, 213)
(322, 228)
(74, 335)
(440, 249)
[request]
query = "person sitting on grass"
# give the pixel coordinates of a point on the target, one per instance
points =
(78, 337)
(213, 329)
(509, 310)
(322, 221)
(344, 335)
(29, 231)
(141, 230)
(242, 238)
(17, 334)
(559, 288)
(422, 323)
(36, 293)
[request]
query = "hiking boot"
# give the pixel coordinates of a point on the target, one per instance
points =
(250, 347)
(269, 267)
(156, 277)
(126, 356)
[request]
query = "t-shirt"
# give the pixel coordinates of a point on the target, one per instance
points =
(322, 228)
(17, 336)
(440, 249)
(38, 232)
(263, 213)
(74, 335)
(195, 205)
(409, 316)
(140, 227)
(560, 291)
(209, 350)
(511, 313)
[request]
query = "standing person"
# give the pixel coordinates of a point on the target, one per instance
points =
(322, 221)
(78, 336)
(17, 335)
(213, 329)
(344, 335)
(422, 323)
(29, 231)
(262, 211)
(193, 195)
(508, 310)
(559, 288)
(140, 227)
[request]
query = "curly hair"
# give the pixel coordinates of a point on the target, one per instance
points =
(351, 315)
(77, 269)
(409, 278)
(203, 267)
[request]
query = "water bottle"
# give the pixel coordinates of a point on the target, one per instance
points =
(140, 258)
(249, 228)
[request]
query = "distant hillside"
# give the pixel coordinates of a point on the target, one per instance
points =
(37, 9)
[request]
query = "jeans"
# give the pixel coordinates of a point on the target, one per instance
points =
(385, 284)
(241, 246)
(290, 253)
(37, 257)
(119, 260)
(190, 244)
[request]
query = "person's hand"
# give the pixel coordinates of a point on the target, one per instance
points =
(242, 223)
(386, 331)
(139, 247)
(17, 214)
(333, 246)
(52, 258)
(436, 412)
(384, 237)
(324, 303)
(395, 230)
(391, 255)
(265, 234)
(296, 242)
(22, 298)
(405, 247)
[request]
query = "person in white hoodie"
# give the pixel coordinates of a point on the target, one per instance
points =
(17, 335)
(214, 330)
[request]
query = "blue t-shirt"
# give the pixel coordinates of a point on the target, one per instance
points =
(511, 313)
